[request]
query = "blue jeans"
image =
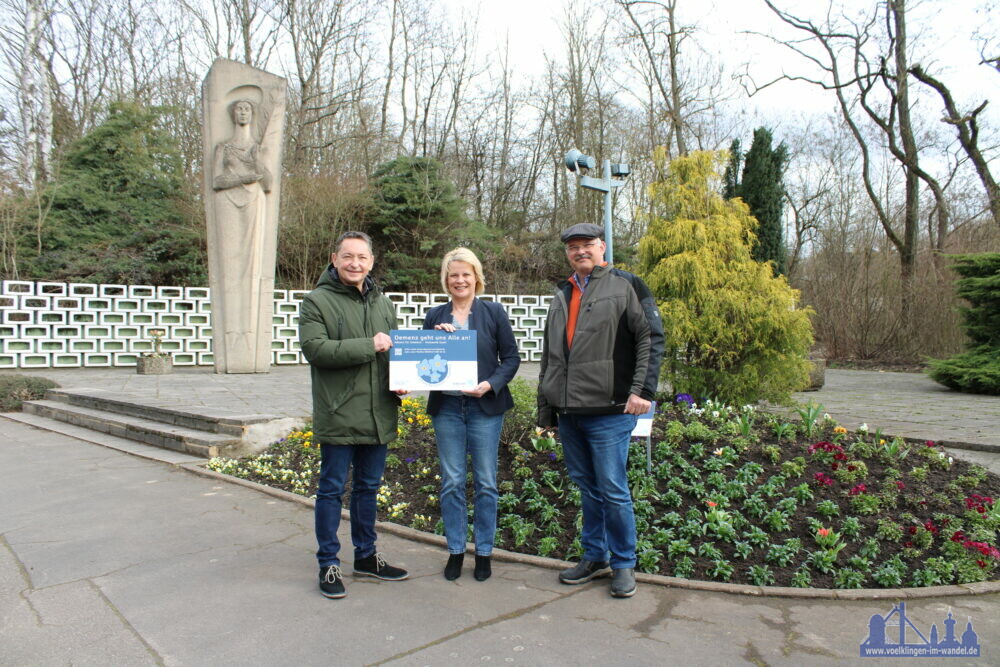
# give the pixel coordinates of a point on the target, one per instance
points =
(596, 451)
(461, 429)
(369, 463)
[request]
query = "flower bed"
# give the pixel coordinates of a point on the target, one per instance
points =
(732, 495)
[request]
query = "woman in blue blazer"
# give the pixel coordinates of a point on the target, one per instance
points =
(469, 422)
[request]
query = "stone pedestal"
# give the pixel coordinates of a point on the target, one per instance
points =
(243, 120)
(150, 365)
(817, 374)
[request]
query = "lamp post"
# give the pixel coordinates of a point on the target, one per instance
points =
(580, 164)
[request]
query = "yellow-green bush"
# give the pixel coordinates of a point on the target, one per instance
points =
(733, 330)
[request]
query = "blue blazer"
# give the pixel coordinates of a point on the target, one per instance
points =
(496, 351)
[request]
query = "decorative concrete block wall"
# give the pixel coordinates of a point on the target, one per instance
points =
(70, 325)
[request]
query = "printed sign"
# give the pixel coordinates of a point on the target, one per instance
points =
(644, 427)
(433, 360)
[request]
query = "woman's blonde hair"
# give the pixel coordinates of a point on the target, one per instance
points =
(469, 257)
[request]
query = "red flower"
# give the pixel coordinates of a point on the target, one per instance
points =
(900, 485)
(825, 446)
(913, 530)
(978, 502)
(835, 465)
(929, 443)
(907, 544)
(983, 548)
(981, 563)
(823, 478)
(957, 536)
(857, 490)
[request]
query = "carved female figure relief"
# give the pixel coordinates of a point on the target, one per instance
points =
(243, 120)
(241, 183)
(237, 167)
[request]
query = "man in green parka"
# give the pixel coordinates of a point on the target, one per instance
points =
(344, 329)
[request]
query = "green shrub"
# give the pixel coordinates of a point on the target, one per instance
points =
(15, 389)
(121, 209)
(976, 370)
(732, 330)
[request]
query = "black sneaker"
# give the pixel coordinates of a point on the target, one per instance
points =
(375, 566)
(623, 583)
(584, 571)
(331, 582)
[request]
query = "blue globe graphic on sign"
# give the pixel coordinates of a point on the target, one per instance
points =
(433, 370)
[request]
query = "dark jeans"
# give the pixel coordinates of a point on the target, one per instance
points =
(369, 463)
(595, 448)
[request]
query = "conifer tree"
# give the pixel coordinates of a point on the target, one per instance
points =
(976, 370)
(731, 177)
(118, 210)
(416, 218)
(733, 330)
(763, 191)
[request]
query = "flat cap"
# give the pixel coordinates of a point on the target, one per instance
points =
(582, 230)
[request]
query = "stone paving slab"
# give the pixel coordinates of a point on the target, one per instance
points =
(106, 558)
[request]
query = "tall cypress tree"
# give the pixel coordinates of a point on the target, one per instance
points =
(731, 177)
(762, 190)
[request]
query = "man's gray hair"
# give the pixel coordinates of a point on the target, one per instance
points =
(354, 235)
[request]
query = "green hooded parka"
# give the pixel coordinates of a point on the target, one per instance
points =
(352, 404)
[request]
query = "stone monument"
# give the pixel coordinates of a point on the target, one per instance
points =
(243, 117)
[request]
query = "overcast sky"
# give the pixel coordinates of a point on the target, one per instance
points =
(940, 31)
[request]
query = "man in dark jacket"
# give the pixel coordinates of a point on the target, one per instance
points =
(344, 329)
(600, 365)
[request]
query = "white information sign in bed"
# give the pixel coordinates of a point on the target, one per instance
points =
(644, 427)
(433, 360)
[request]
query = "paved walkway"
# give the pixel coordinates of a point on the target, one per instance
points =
(107, 558)
(906, 404)
(110, 559)
(909, 404)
